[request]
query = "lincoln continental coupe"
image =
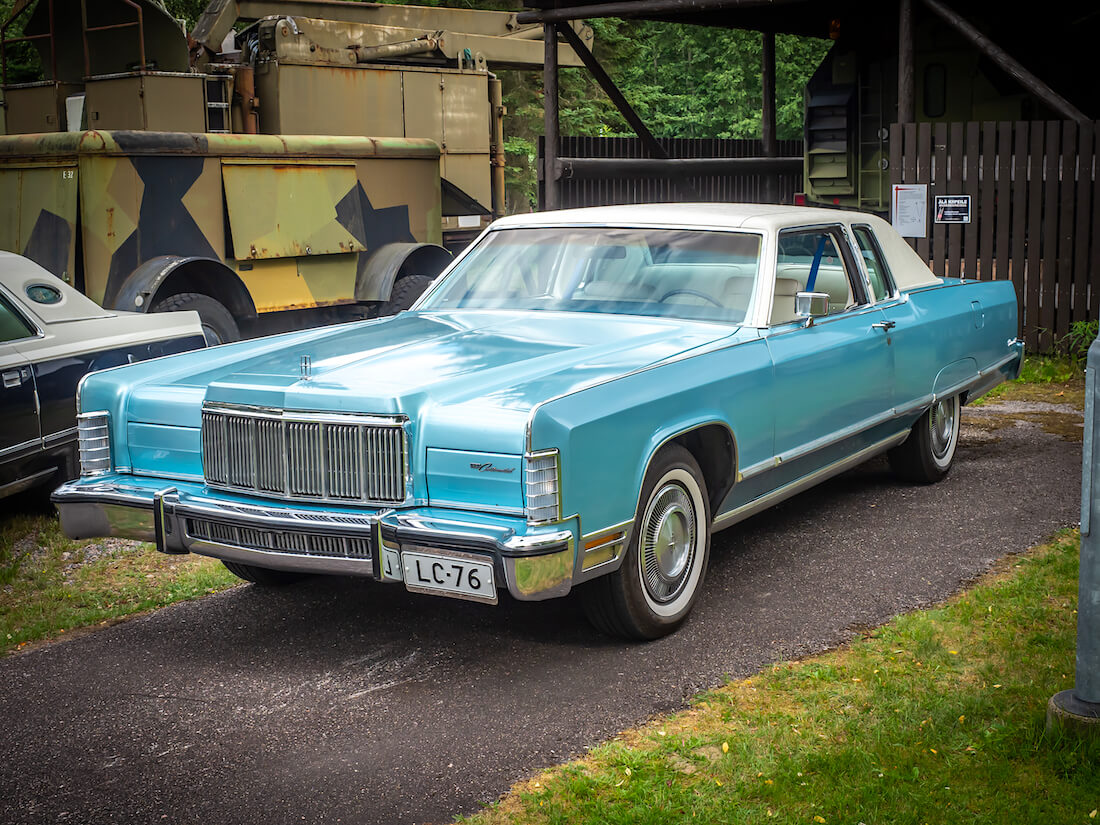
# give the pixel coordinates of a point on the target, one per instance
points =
(576, 404)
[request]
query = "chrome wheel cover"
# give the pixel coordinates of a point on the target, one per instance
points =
(668, 543)
(942, 425)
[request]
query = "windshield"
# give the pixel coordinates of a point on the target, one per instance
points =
(679, 273)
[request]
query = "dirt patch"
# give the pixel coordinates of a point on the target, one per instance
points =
(1071, 392)
(1055, 408)
(1061, 420)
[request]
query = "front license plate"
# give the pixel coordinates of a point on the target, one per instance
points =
(446, 573)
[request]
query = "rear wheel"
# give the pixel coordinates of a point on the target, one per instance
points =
(218, 326)
(406, 290)
(654, 590)
(262, 575)
(927, 454)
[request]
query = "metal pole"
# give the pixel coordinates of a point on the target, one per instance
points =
(906, 84)
(1079, 707)
(496, 104)
(767, 115)
(1087, 684)
(550, 185)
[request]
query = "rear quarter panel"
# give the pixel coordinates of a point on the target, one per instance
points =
(946, 335)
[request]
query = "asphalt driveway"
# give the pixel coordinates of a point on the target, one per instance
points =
(341, 701)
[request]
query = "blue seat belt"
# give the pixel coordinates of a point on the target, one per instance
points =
(817, 262)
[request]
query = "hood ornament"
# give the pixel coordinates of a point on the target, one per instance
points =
(305, 368)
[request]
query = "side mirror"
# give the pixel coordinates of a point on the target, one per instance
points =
(811, 305)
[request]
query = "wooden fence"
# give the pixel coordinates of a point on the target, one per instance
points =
(617, 189)
(1035, 212)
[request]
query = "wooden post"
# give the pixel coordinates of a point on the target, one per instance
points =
(767, 115)
(907, 109)
(550, 184)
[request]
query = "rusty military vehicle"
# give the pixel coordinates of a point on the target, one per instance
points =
(286, 156)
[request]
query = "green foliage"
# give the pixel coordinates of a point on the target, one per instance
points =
(936, 718)
(1077, 341)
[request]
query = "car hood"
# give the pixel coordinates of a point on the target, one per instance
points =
(455, 373)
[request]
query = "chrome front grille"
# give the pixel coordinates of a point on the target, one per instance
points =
(305, 456)
(279, 541)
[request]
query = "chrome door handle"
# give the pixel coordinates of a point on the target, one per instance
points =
(12, 379)
(885, 326)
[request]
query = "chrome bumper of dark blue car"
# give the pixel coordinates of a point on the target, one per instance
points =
(538, 565)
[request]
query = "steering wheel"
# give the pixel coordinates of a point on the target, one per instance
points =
(695, 292)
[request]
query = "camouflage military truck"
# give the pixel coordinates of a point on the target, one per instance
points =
(290, 155)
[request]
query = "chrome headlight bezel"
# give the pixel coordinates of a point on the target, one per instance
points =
(542, 486)
(94, 443)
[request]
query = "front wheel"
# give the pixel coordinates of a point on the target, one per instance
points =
(653, 591)
(926, 455)
(262, 575)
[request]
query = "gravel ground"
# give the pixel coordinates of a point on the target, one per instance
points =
(340, 700)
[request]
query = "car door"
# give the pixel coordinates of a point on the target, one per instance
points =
(20, 435)
(833, 377)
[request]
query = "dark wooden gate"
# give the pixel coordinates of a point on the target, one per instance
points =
(1035, 212)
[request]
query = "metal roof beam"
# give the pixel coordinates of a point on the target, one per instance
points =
(1003, 59)
(642, 8)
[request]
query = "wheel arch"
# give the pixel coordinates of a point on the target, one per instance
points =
(378, 270)
(167, 275)
(713, 446)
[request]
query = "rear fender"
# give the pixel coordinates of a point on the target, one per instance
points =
(955, 377)
(166, 275)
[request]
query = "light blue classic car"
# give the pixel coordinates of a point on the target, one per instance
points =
(578, 402)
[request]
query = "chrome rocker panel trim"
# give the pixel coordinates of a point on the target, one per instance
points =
(534, 567)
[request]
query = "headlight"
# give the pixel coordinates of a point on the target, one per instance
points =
(543, 486)
(94, 434)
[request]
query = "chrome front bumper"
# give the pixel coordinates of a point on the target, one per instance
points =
(535, 565)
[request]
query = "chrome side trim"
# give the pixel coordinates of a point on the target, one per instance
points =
(24, 445)
(60, 435)
(793, 488)
(919, 405)
(834, 438)
(756, 469)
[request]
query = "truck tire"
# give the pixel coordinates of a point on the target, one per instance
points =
(218, 325)
(406, 290)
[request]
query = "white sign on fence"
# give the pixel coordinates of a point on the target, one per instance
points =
(909, 209)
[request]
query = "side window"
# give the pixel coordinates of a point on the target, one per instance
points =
(810, 260)
(872, 259)
(12, 325)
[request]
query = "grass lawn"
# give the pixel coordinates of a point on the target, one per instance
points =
(936, 717)
(50, 585)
